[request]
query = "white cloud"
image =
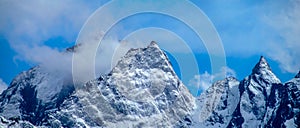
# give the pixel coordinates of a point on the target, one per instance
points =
(269, 28)
(3, 86)
(202, 81)
(27, 25)
(108, 54)
(225, 71)
(50, 59)
(60, 63)
(35, 21)
(205, 80)
(285, 49)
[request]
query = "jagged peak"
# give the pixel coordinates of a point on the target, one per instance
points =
(261, 65)
(224, 82)
(153, 44)
(144, 58)
(263, 70)
(298, 75)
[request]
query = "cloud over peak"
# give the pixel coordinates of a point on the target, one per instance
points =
(3, 86)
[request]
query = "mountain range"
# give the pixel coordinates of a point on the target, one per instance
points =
(259, 100)
(143, 90)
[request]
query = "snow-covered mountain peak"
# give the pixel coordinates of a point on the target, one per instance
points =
(151, 57)
(217, 103)
(32, 95)
(142, 90)
(260, 100)
(262, 70)
(153, 44)
(146, 70)
(261, 66)
(255, 90)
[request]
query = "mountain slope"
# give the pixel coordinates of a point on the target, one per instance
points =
(33, 94)
(142, 90)
(217, 104)
(261, 100)
(255, 91)
(293, 90)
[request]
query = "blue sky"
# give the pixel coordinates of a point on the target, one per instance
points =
(248, 29)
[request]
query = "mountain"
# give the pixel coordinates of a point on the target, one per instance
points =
(217, 103)
(293, 90)
(142, 90)
(259, 100)
(32, 95)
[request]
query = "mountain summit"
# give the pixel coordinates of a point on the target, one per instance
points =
(142, 90)
(260, 100)
(261, 66)
(262, 70)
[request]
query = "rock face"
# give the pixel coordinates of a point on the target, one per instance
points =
(260, 100)
(293, 102)
(142, 90)
(217, 104)
(32, 95)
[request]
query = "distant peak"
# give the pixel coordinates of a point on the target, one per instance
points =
(262, 59)
(298, 75)
(261, 65)
(153, 44)
(145, 58)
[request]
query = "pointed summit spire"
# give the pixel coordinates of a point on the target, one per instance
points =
(261, 65)
(153, 44)
(298, 75)
(263, 70)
